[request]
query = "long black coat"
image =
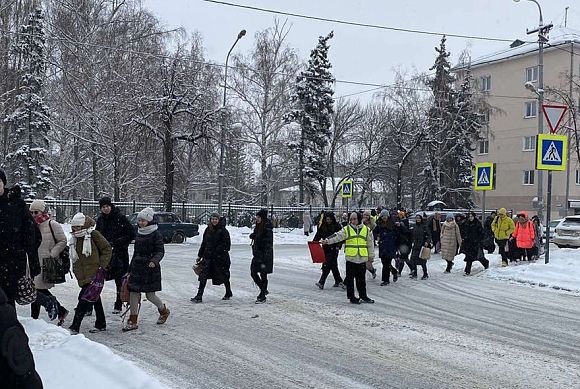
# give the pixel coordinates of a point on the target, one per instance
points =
(472, 234)
(115, 227)
(20, 372)
(263, 249)
(421, 235)
(19, 238)
(148, 248)
(214, 250)
(324, 231)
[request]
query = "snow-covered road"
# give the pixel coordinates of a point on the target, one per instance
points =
(447, 332)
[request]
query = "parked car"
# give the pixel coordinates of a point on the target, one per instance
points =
(568, 232)
(170, 226)
(553, 225)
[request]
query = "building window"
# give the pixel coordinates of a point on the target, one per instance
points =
(529, 143)
(484, 146)
(532, 74)
(530, 109)
(529, 177)
(577, 177)
(485, 116)
(485, 82)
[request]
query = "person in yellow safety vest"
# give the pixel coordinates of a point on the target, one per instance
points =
(359, 248)
(502, 227)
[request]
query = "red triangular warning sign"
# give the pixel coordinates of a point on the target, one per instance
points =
(554, 115)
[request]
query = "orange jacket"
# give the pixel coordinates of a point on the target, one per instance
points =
(525, 235)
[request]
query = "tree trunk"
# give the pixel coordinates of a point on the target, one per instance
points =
(169, 156)
(301, 168)
(399, 185)
(95, 166)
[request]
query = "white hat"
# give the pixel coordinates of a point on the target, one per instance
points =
(38, 205)
(78, 220)
(146, 214)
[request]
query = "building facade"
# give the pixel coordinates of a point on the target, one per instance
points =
(509, 137)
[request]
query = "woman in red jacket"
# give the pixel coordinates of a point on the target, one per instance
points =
(525, 236)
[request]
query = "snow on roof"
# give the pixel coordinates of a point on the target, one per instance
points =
(558, 36)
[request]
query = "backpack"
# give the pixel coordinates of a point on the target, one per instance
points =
(64, 256)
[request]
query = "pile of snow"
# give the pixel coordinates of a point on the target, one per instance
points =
(67, 361)
(563, 271)
(241, 235)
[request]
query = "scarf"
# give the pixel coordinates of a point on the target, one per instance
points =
(147, 229)
(87, 247)
(40, 218)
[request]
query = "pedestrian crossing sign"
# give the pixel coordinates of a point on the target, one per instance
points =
(346, 189)
(552, 152)
(484, 176)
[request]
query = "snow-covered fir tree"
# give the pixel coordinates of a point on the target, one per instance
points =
(29, 121)
(313, 103)
(453, 124)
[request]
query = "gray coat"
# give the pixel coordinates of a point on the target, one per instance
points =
(48, 248)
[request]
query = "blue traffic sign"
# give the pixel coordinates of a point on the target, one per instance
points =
(551, 154)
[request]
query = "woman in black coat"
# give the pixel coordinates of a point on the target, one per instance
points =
(263, 253)
(214, 254)
(144, 270)
(19, 240)
(421, 238)
(386, 234)
(472, 245)
(328, 227)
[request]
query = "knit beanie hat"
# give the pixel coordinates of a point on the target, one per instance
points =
(450, 215)
(214, 215)
(105, 201)
(38, 205)
(384, 213)
(78, 220)
(146, 214)
(263, 213)
(3, 176)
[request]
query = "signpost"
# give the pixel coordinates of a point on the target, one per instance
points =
(346, 189)
(484, 180)
(551, 155)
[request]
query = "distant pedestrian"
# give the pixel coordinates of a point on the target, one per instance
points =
(539, 241)
(488, 239)
(214, 255)
(359, 248)
(450, 240)
(404, 242)
(473, 243)
(89, 252)
(145, 269)
(385, 234)
(327, 228)
(502, 227)
(263, 253)
(307, 223)
(525, 237)
(52, 245)
(421, 238)
(435, 227)
(19, 240)
(115, 227)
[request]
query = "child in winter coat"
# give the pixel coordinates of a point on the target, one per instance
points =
(502, 228)
(144, 270)
(89, 252)
(450, 240)
(525, 237)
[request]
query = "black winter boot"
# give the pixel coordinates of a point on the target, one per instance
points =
(449, 266)
(79, 315)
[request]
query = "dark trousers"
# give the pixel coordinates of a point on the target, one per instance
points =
(203, 283)
(436, 236)
(261, 279)
(355, 271)
(468, 262)
(387, 269)
(35, 306)
(119, 285)
(401, 261)
(527, 254)
(331, 265)
(415, 261)
(501, 243)
(83, 306)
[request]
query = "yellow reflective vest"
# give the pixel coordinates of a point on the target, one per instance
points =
(356, 241)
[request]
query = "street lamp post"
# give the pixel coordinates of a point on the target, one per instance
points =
(542, 38)
(223, 128)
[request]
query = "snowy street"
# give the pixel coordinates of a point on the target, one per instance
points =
(450, 331)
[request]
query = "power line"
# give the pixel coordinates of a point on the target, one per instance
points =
(367, 25)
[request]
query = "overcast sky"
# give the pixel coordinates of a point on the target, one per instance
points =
(366, 54)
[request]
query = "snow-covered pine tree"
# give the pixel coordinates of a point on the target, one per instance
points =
(27, 159)
(313, 111)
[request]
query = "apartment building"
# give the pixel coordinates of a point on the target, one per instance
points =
(509, 137)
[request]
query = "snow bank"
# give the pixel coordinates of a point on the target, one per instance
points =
(241, 235)
(563, 271)
(66, 361)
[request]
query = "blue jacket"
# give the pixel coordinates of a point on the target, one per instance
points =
(387, 241)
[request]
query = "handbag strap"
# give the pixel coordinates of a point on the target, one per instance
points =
(52, 232)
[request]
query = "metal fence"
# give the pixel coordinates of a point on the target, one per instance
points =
(237, 215)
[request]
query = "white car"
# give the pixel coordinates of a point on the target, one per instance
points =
(568, 232)
(553, 225)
